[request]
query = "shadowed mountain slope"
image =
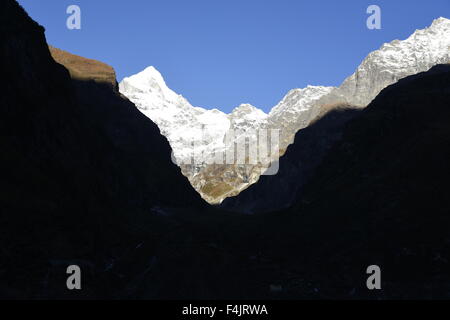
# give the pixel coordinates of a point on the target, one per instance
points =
(380, 196)
(296, 166)
(83, 171)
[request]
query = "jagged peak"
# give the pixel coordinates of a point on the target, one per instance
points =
(152, 72)
(439, 26)
(149, 74)
(249, 112)
(150, 80)
(440, 20)
(246, 107)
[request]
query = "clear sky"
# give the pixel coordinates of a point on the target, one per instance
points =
(219, 54)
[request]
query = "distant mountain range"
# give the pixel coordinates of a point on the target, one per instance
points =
(185, 125)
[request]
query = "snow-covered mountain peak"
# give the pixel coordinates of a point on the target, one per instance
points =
(150, 81)
(244, 107)
(151, 73)
(148, 76)
(248, 111)
(246, 117)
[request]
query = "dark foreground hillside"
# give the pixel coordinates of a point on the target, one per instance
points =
(88, 180)
(381, 194)
(82, 168)
(379, 197)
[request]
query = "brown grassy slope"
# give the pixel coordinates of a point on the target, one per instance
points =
(81, 68)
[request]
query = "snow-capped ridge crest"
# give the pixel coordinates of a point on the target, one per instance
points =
(397, 59)
(440, 21)
(246, 109)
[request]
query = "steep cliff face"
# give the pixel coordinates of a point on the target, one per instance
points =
(83, 171)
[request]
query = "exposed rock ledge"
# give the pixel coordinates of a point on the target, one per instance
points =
(81, 68)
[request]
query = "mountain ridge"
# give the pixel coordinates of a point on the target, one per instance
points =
(296, 111)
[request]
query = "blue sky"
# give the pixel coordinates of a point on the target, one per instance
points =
(219, 54)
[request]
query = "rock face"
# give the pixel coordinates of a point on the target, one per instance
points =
(186, 126)
(296, 111)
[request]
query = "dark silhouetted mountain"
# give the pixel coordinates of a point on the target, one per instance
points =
(83, 170)
(379, 197)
